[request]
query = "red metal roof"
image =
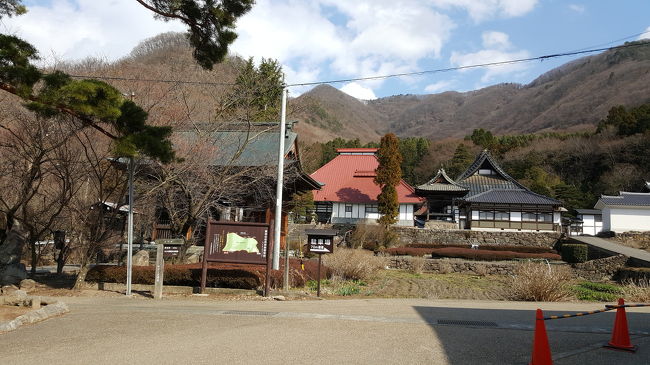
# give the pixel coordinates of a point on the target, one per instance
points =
(350, 179)
(349, 150)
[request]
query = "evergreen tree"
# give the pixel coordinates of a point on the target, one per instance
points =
(257, 94)
(388, 176)
(461, 160)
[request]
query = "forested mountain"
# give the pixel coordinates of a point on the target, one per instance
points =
(574, 96)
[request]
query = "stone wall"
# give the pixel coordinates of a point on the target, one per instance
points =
(446, 266)
(600, 269)
(419, 235)
(634, 239)
(450, 236)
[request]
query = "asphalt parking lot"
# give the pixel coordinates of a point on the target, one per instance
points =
(377, 331)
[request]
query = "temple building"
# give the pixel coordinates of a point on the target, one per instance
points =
(349, 193)
(485, 197)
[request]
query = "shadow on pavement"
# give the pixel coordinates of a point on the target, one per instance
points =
(494, 336)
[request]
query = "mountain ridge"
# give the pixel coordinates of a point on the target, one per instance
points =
(573, 96)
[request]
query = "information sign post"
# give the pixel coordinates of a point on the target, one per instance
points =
(320, 241)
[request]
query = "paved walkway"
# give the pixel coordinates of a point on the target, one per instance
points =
(616, 248)
(373, 331)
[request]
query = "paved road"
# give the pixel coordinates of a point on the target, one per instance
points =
(616, 248)
(373, 331)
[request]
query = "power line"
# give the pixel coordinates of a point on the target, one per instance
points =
(457, 68)
(382, 77)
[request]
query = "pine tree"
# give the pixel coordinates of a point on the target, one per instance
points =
(388, 176)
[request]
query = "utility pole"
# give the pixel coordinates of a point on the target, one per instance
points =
(129, 239)
(278, 190)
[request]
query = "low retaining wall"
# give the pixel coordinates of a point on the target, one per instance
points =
(634, 239)
(600, 269)
(447, 266)
(455, 236)
(419, 235)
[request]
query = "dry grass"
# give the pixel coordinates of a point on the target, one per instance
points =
(417, 265)
(637, 292)
(540, 283)
(354, 264)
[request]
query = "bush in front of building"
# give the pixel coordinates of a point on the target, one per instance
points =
(574, 253)
(513, 248)
(236, 276)
(354, 264)
(540, 283)
(489, 255)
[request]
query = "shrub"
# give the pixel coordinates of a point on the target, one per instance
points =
(638, 291)
(367, 236)
(238, 276)
(488, 255)
(349, 289)
(639, 275)
(539, 282)
(354, 264)
(513, 248)
(417, 265)
(408, 251)
(445, 268)
(574, 253)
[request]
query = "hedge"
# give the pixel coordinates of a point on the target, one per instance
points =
(513, 248)
(638, 275)
(409, 251)
(489, 255)
(238, 276)
(574, 253)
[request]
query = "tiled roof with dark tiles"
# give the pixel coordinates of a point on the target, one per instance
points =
(625, 199)
(589, 211)
(479, 183)
(512, 196)
(441, 182)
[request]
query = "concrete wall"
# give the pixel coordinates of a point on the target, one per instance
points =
(626, 219)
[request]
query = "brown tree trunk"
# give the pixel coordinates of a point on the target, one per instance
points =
(34, 257)
(81, 277)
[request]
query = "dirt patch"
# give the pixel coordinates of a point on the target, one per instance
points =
(9, 312)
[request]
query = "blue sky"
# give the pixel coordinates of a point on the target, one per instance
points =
(339, 39)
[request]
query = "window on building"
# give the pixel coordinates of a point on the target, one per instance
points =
(348, 208)
(598, 218)
(545, 217)
(484, 215)
(529, 217)
(323, 207)
(501, 216)
(372, 208)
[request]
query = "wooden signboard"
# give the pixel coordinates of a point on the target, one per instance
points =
(171, 246)
(239, 243)
(320, 241)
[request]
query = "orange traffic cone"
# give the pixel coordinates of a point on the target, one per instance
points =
(541, 349)
(620, 335)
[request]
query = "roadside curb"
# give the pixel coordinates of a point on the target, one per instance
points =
(50, 310)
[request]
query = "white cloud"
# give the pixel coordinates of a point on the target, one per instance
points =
(577, 8)
(77, 29)
(481, 10)
(439, 86)
(498, 40)
(497, 48)
(646, 34)
(360, 38)
(358, 91)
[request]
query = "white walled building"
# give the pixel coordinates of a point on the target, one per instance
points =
(625, 212)
(349, 193)
(592, 221)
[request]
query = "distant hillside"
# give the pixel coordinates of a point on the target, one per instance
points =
(573, 96)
